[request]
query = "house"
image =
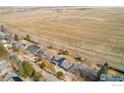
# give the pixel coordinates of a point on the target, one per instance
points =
(57, 60)
(19, 44)
(4, 35)
(85, 71)
(62, 62)
(3, 42)
(8, 44)
(34, 49)
(65, 65)
(3, 67)
(12, 77)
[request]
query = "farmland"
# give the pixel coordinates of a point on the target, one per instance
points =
(97, 33)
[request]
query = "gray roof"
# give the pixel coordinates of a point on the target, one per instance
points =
(65, 65)
(62, 62)
(84, 70)
(33, 48)
(19, 44)
(2, 66)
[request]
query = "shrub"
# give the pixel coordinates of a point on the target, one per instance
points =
(65, 52)
(14, 48)
(27, 37)
(60, 74)
(42, 65)
(37, 76)
(3, 51)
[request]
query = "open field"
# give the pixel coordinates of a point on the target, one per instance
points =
(98, 33)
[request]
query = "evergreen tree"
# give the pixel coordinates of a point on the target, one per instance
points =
(16, 38)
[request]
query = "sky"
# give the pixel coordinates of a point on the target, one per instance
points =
(61, 2)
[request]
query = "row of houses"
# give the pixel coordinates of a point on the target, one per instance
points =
(78, 69)
(81, 69)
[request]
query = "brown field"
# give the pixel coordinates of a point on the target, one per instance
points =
(98, 33)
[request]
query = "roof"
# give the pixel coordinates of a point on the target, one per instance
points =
(84, 70)
(1, 33)
(19, 44)
(65, 65)
(16, 78)
(12, 77)
(2, 66)
(58, 60)
(33, 48)
(62, 62)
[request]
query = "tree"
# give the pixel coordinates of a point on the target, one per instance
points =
(27, 37)
(2, 28)
(25, 69)
(37, 76)
(21, 70)
(42, 65)
(16, 38)
(14, 48)
(29, 69)
(3, 51)
(7, 39)
(60, 74)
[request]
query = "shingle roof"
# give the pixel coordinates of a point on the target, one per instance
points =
(65, 65)
(34, 48)
(84, 70)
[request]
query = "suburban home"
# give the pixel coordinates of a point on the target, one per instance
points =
(65, 65)
(12, 77)
(19, 44)
(57, 60)
(3, 67)
(4, 35)
(8, 44)
(85, 71)
(3, 42)
(34, 49)
(62, 62)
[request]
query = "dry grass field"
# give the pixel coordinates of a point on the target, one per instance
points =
(98, 33)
